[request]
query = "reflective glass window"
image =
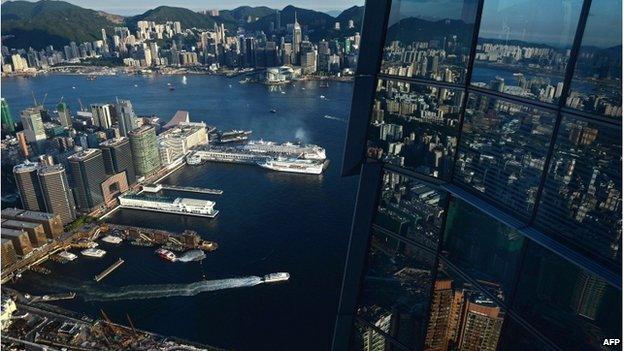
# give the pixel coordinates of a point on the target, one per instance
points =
(368, 339)
(582, 197)
(411, 209)
(461, 317)
(502, 151)
(524, 46)
(415, 126)
(597, 82)
(482, 247)
(429, 39)
(396, 287)
(516, 338)
(570, 306)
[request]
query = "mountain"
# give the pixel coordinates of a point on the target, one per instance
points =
(355, 13)
(413, 29)
(240, 14)
(186, 17)
(47, 22)
(318, 23)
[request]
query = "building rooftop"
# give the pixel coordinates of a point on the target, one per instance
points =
(25, 167)
(50, 169)
(12, 232)
(83, 155)
(16, 212)
(21, 224)
(114, 141)
(142, 129)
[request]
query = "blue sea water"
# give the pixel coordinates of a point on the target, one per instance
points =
(268, 221)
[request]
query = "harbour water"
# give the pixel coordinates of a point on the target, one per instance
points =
(268, 221)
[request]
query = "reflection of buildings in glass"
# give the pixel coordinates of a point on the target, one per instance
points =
(410, 208)
(587, 295)
(415, 126)
(462, 319)
(374, 341)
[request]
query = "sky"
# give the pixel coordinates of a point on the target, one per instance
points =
(133, 7)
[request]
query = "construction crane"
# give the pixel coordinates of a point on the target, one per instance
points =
(44, 99)
(80, 102)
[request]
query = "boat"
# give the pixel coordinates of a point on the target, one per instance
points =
(93, 253)
(111, 239)
(273, 110)
(193, 159)
(293, 165)
(184, 80)
(68, 256)
(307, 151)
(322, 96)
(276, 277)
(283, 92)
(166, 254)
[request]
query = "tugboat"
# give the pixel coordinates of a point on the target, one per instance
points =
(166, 254)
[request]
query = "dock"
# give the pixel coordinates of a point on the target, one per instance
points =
(109, 270)
(191, 189)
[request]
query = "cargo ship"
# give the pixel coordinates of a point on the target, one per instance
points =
(276, 277)
(93, 253)
(166, 254)
(293, 165)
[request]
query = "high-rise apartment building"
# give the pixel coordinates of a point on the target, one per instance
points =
(144, 147)
(57, 196)
(117, 155)
(488, 214)
(88, 172)
(33, 125)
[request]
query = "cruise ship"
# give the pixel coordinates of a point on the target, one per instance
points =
(93, 253)
(309, 151)
(183, 206)
(294, 165)
(276, 277)
(234, 136)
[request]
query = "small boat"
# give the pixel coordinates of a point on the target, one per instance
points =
(166, 254)
(73, 87)
(111, 239)
(93, 253)
(184, 80)
(322, 96)
(283, 92)
(135, 85)
(273, 110)
(67, 256)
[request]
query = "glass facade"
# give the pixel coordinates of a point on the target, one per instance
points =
(491, 184)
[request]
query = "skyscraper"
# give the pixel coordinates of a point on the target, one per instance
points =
(117, 155)
(126, 117)
(144, 147)
(56, 193)
(28, 186)
(33, 125)
(88, 173)
(103, 115)
(296, 36)
(8, 125)
(64, 114)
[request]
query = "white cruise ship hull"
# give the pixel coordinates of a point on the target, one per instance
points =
(315, 169)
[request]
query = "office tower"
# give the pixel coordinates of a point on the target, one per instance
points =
(8, 254)
(57, 195)
(117, 155)
(20, 239)
(35, 231)
(28, 186)
(296, 36)
(501, 192)
(144, 147)
(103, 115)
(52, 224)
(8, 125)
(33, 124)
(88, 172)
(126, 117)
(64, 114)
(23, 144)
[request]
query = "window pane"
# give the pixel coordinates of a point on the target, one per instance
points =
(517, 338)
(429, 39)
(524, 46)
(415, 126)
(396, 288)
(573, 308)
(503, 150)
(597, 83)
(482, 247)
(582, 199)
(461, 317)
(410, 208)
